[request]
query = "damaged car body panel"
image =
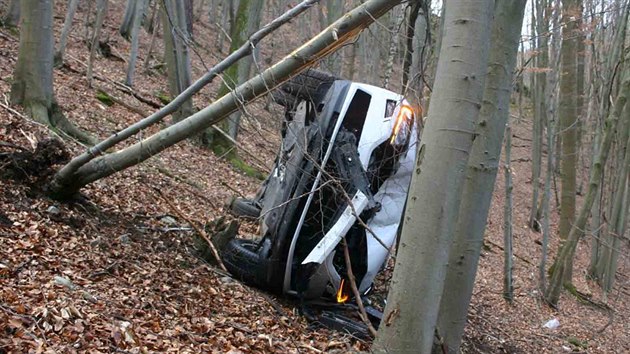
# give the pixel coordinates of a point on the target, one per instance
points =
(347, 153)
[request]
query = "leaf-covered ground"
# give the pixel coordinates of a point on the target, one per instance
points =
(118, 272)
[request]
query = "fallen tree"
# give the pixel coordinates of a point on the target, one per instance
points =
(71, 178)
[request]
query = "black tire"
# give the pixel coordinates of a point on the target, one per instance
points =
(245, 208)
(304, 86)
(241, 259)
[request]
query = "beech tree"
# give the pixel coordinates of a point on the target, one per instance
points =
(176, 53)
(139, 11)
(247, 19)
(65, 32)
(435, 193)
(482, 170)
(33, 75)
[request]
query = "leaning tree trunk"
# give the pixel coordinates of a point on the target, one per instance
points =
(33, 76)
(437, 183)
(65, 185)
(12, 17)
(564, 258)
(176, 54)
(135, 34)
(481, 173)
(67, 25)
(414, 65)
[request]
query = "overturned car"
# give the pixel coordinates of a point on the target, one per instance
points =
(343, 170)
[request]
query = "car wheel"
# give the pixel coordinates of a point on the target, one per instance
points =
(244, 207)
(241, 259)
(301, 87)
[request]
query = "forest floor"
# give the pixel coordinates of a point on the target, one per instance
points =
(118, 271)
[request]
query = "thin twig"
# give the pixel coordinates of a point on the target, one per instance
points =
(199, 230)
(355, 291)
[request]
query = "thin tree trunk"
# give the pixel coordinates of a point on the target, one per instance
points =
(78, 173)
(568, 117)
(135, 37)
(564, 259)
(481, 174)
(508, 286)
(128, 18)
(435, 194)
(101, 13)
(542, 274)
(397, 18)
(176, 54)
(67, 25)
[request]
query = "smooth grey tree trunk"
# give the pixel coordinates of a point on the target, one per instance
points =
(69, 180)
(437, 183)
(397, 18)
(481, 174)
(546, 197)
(32, 85)
(12, 17)
(176, 54)
(508, 284)
(135, 38)
(128, 18)
(65, 32)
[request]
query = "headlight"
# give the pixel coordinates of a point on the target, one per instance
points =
(402, 126)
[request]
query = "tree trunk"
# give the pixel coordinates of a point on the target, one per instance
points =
(135, 37)
(481, 174)
(101, 13)
(71, 178)
(397, 18)
(568, 117)
(540, 104)
(128, 18)
(435, 193)
(618, 217)
(12, 17)
(542, 273)
(176, 54)
(334, 11)
(564, 258)
(33, 76)
(67, 25)
(508, 286)
(247, 19)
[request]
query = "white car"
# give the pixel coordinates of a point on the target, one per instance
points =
(343, 170)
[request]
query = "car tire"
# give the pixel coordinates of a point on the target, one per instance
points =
(245, 208)
(303, 86)
(241, 259)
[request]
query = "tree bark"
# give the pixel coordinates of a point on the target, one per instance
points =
(67, 25)
(128, 18)
(176, 54)
(435, 193)
(135, 37)
(101, 13)
(508, 286)
(66, 184)
(568, 117)
(481, 174)
(33, 76)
